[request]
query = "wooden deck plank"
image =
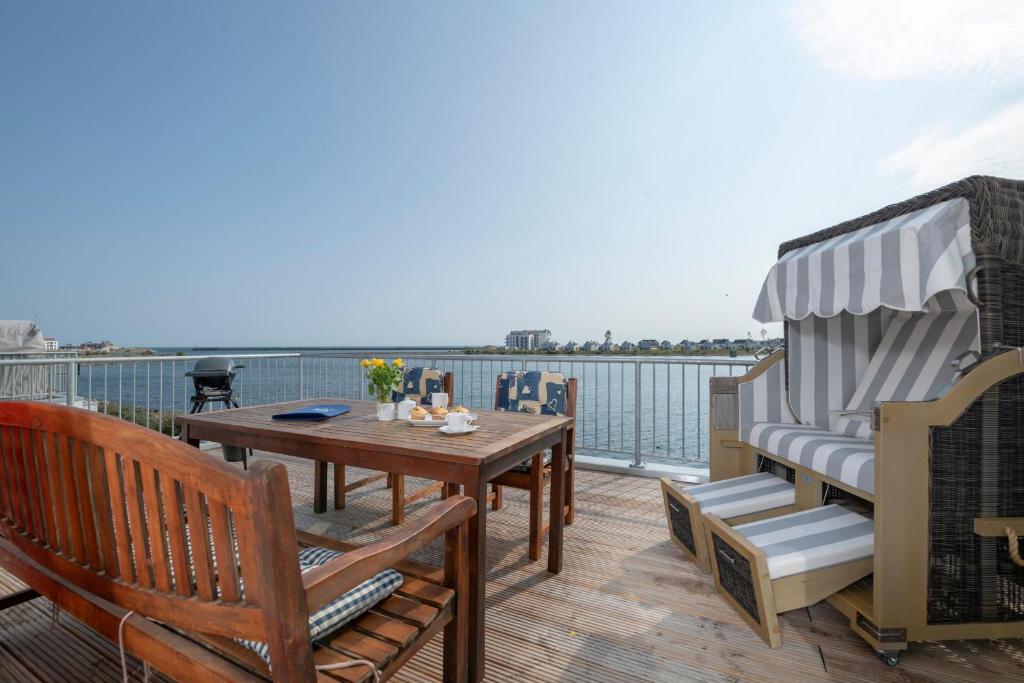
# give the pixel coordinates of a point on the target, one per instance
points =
(626, 607)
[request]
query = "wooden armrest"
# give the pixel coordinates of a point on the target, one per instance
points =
(342, 574)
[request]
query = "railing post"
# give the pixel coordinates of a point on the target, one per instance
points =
(638, 458)
(71, 383)
(300, 377)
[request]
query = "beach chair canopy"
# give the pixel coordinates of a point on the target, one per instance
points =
(899, 264)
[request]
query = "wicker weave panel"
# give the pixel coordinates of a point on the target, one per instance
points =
(735, 576)
(997, 215)
(977, 470)
(682, 529)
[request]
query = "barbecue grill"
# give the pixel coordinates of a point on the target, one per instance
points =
(213, 378)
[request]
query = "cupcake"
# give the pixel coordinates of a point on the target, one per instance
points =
(418, 413)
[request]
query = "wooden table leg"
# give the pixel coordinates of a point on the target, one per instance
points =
(188, 439)
(476, 488)
(320, 486)
(557, 512)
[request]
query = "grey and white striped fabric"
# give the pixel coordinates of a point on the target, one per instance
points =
(900, 263)
(763, 399)
(914, 362)
(847, 459)
(743, 495)
(812, 539)
(827, 359)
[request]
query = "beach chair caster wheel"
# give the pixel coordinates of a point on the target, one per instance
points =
(891, 658)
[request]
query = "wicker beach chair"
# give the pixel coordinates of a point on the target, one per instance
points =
(901, 386)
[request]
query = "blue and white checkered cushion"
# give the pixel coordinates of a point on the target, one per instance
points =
(341, 610)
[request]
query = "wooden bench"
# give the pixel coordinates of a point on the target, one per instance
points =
(120, 525)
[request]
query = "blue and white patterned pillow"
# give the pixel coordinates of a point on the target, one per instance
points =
(343, 609)
(533, 391)
(418, 384)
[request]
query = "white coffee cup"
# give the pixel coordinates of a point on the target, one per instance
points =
(439, 398)
(459, 422)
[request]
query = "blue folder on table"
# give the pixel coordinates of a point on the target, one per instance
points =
(314, 413)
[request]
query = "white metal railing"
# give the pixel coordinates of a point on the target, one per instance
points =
(636, 408)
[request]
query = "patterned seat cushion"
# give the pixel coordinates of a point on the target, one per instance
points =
(812, 539)
(848, 459)
(342, 610)
(418, 384)
(743, 495)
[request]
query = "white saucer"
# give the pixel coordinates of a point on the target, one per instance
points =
(450, 432)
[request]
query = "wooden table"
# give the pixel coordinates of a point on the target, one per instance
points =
(359, 439)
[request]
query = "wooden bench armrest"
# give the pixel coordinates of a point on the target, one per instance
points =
(340, 575)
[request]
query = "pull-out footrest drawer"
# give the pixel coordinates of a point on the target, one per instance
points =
(737, 500)
(776, 565)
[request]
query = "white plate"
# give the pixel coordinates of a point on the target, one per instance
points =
(448, 430)
(427, 423)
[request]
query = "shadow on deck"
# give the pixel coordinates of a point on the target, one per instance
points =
(626, 608)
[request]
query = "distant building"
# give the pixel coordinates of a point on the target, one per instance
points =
(705, 345)
(627, 346)
(527, 340)
(609, 346)
(687, 345)
(666, 345)
(720, 343)
(648, 344)
(570, 346)
(549, 346)
(51, 344)
(591, 346)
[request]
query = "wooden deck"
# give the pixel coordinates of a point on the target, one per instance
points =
(626, 608)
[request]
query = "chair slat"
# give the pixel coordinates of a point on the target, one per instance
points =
(102, 509)
(21, 477)
(136, 523)
(224, 551)
(248, 547)
(11, 470)
(200, 543)
(79, 465)
(7, 499)
(32, 487)
(76, 545)
(352, 642)
(122, 536)
(386, 628)
(409, 610)
(53, 455)
(154, 521)
(175, 517)
(46, 465)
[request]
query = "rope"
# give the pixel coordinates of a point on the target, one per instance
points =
(124, 659)
(354, 662)
(1014, 543)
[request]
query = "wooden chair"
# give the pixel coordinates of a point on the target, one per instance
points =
(535, 474)
(124, 527)
(395, 482)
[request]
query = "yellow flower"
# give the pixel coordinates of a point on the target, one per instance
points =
(399, 362)
(365, 363)
(377, 362)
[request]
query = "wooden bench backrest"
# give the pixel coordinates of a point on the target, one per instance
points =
(149, 523)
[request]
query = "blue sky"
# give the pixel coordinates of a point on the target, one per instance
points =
(323, 172)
